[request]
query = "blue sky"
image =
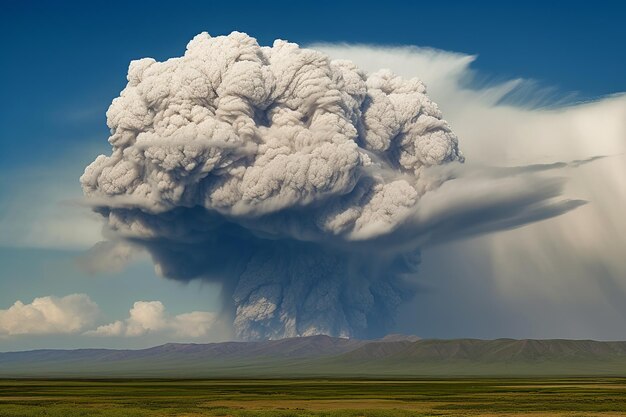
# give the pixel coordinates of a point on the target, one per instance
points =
(63, 63)
(67, 60)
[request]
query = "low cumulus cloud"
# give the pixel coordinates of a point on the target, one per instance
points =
(49, 315)
(150, 317)
(78, 314)
(305, 185)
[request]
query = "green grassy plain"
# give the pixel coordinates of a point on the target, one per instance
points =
(303, 397)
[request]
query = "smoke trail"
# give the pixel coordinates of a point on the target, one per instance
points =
(301, 184)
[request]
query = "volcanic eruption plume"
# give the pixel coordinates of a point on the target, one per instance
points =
(301, 184)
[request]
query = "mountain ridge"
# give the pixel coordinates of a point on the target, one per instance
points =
(395, 355)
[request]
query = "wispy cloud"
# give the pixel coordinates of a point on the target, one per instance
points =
(39, 209)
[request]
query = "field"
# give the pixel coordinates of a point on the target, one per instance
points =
(332, 398)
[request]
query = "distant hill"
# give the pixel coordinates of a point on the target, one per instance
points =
(319, 356)
(500, 350)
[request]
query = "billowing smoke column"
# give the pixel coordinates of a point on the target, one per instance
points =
(293, 180)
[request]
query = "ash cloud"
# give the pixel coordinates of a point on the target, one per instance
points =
(302, 184)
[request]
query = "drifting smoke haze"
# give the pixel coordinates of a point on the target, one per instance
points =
(303, 185)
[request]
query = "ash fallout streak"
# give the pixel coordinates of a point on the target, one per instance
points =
(302, 184)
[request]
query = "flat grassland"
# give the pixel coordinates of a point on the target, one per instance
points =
(304, 397)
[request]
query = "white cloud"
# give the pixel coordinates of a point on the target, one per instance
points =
(570, 266)
(150, 317)
(77, 314)
(49, 315)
